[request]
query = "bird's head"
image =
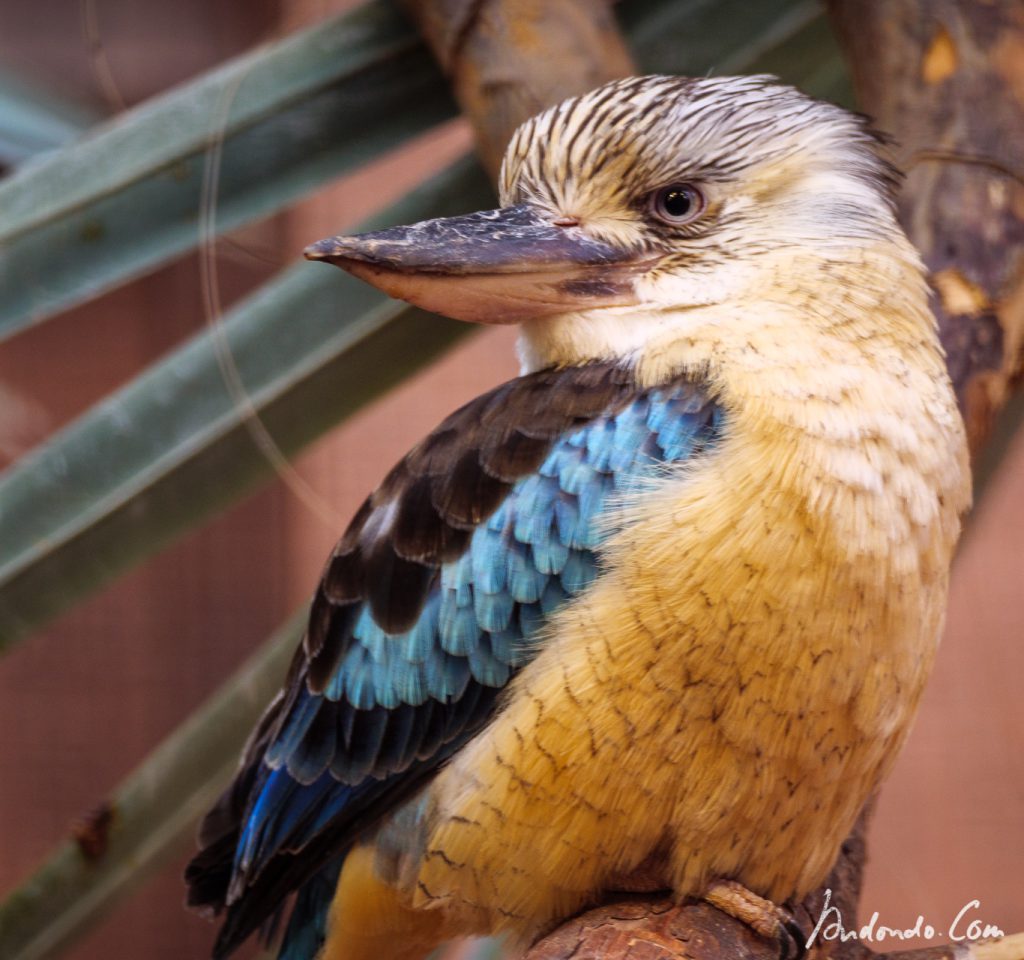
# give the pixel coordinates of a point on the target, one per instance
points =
(637, 207)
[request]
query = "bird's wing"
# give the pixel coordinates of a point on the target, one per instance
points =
(432, 599)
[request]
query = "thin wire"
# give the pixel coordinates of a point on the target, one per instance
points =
(244, 252)
(968, 159)
(98, 55)
(209, 282)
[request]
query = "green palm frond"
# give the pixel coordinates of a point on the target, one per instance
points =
(130, 195)
(34, 122)
(171, 448)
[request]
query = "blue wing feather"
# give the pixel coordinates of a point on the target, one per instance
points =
(401, 701)
(307, 926)
(536, 551)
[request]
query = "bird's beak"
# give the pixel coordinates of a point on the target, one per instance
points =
(499, 266)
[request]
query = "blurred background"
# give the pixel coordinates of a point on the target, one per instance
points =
(86, 698)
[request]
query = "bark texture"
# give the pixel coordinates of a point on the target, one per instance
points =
(944, 77)
(509, 59)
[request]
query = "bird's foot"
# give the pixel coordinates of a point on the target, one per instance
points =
(761, 915)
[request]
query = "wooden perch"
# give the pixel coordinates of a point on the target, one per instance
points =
(947, 78)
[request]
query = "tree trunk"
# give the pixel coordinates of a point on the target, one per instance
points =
(946, 78)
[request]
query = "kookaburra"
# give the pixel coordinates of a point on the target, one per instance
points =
(670, 596)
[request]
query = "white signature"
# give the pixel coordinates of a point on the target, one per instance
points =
(964, 927)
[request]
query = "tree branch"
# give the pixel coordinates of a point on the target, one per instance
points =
(509, 59)
(947, 79)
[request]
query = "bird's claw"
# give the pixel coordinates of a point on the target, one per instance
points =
(762, 916)
(792, 938)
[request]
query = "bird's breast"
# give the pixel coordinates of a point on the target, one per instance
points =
(726, 694)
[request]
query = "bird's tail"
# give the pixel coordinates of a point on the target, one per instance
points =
(371, 920)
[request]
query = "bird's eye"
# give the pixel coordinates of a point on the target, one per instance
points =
(676, 204)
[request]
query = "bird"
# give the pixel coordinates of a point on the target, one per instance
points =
(666, 602)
